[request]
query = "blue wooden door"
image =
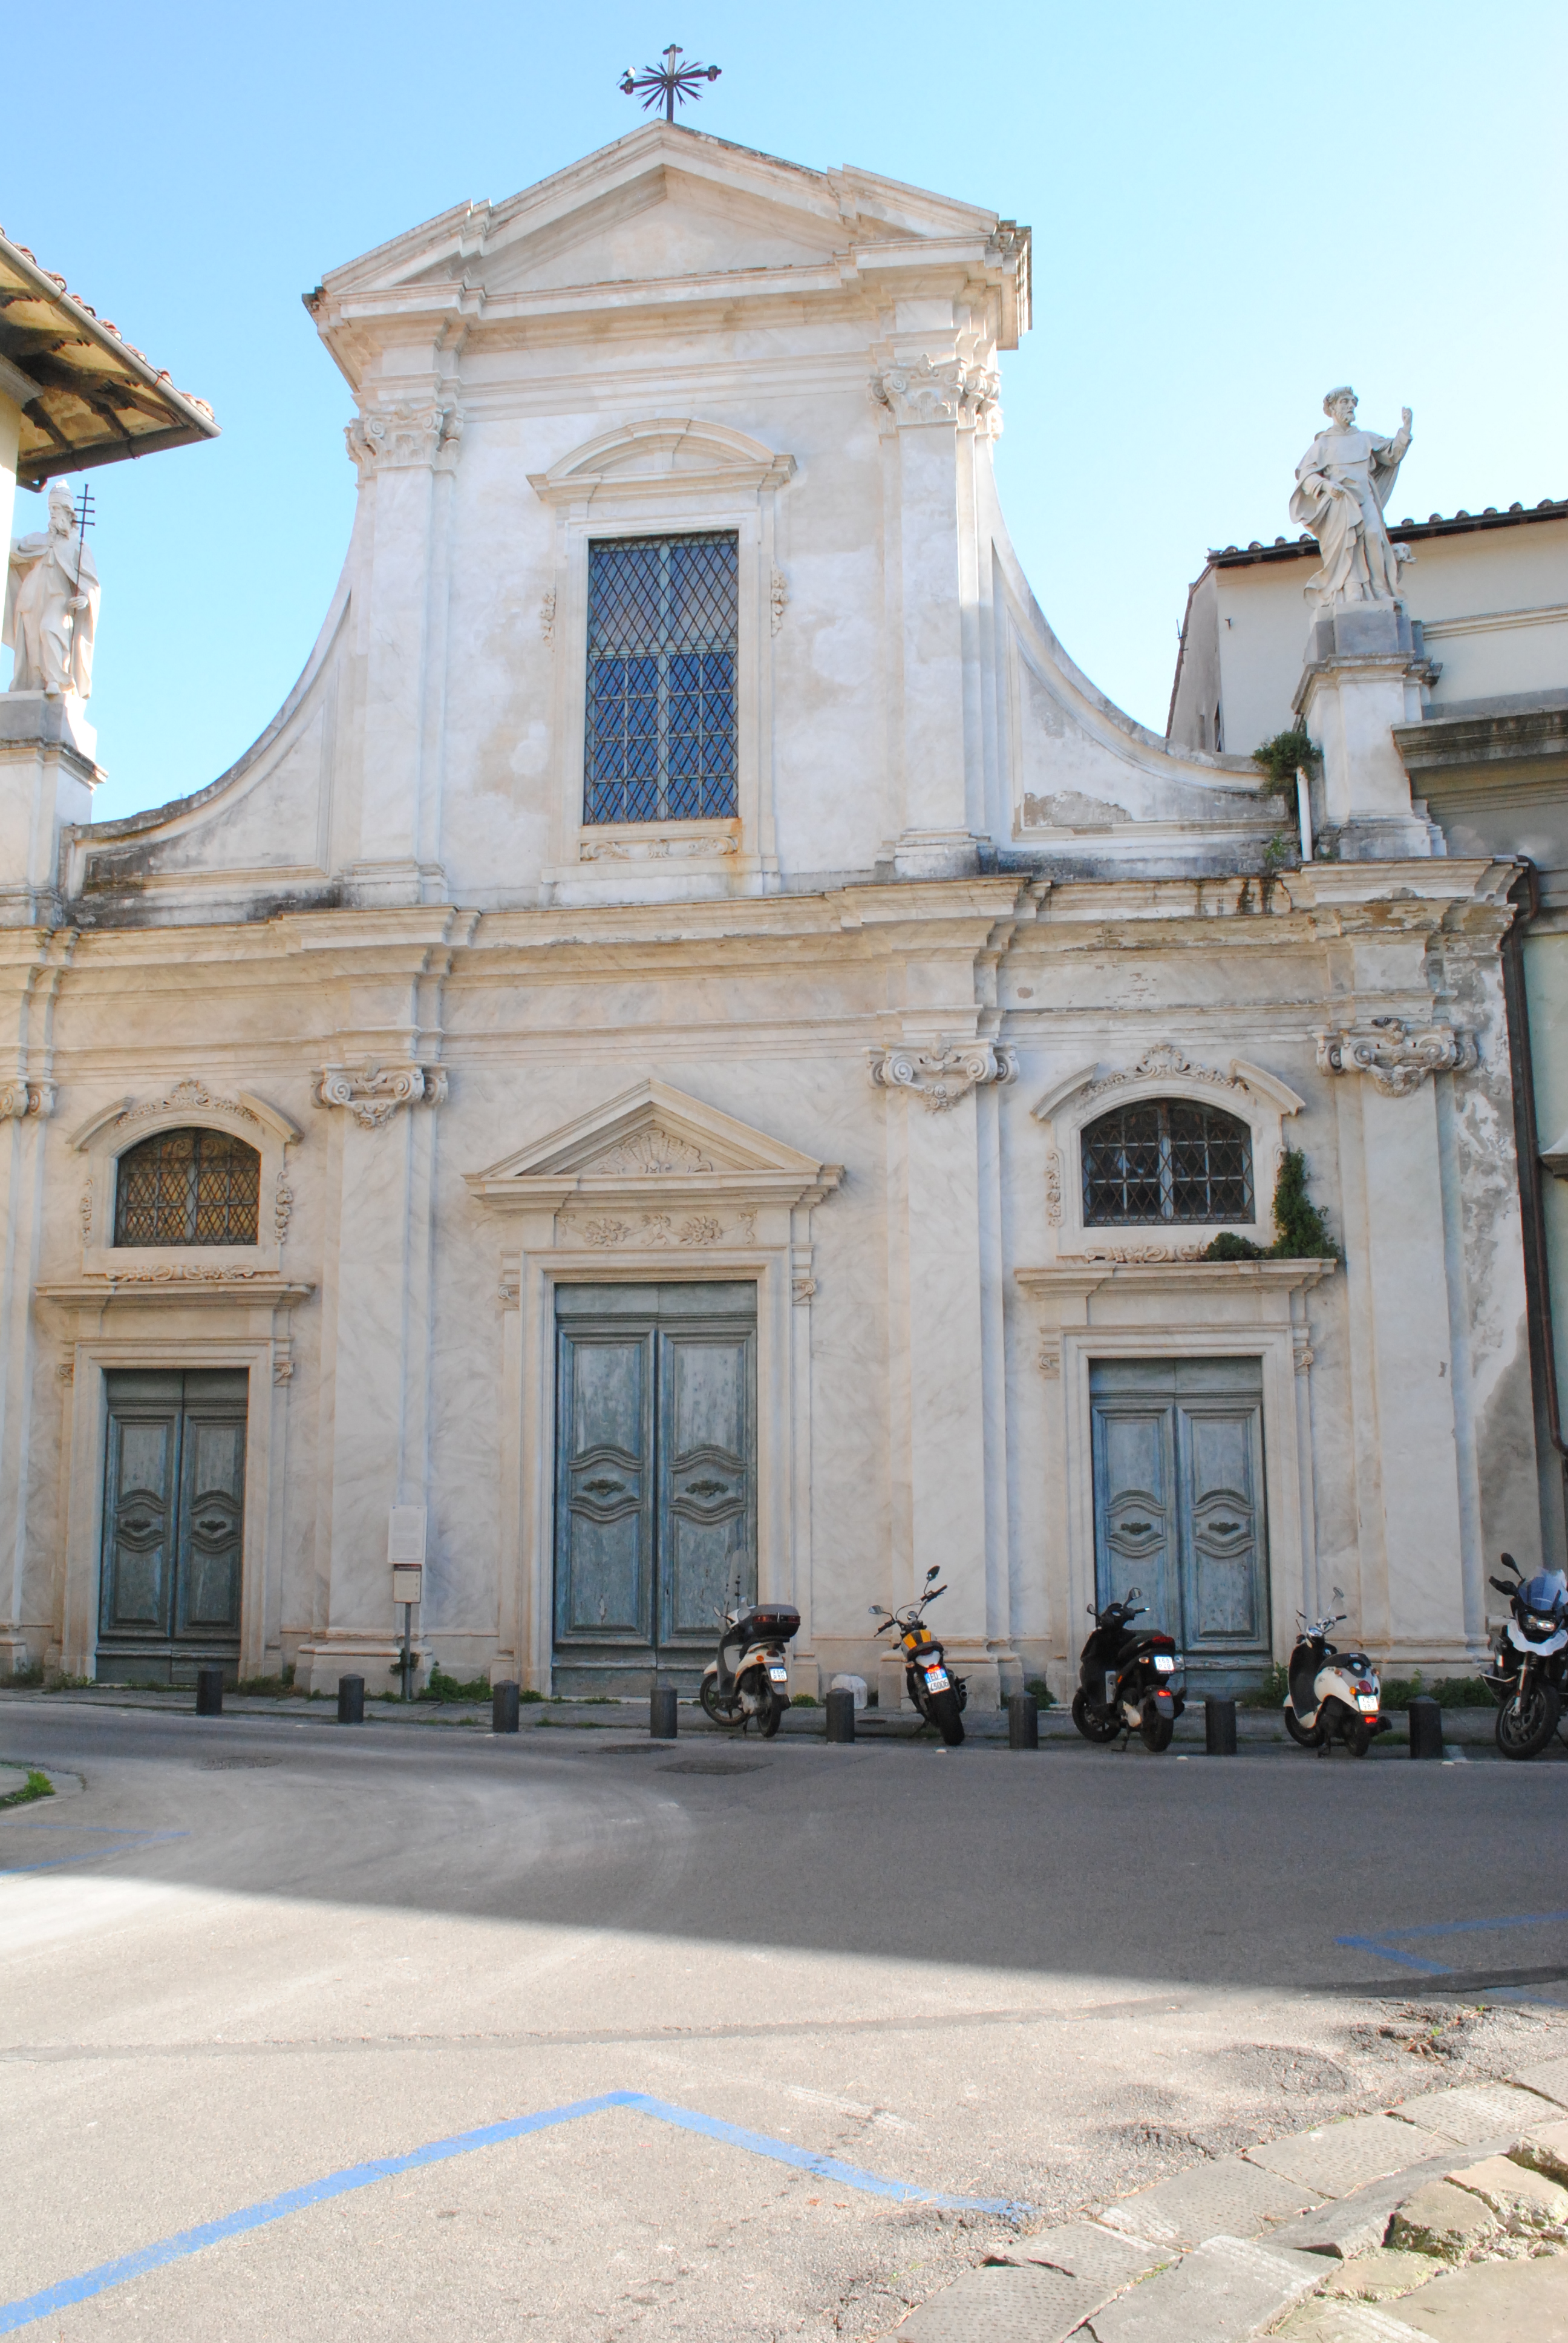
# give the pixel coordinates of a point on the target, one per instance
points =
(171, 1573)
(656, 1477)
(1179, 1510)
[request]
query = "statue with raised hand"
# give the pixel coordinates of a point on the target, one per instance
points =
(1342, 483)
(52, 596)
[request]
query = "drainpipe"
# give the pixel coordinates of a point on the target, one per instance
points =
(1527, 1146)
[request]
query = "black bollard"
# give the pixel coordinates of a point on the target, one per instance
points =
(1022, 1720)
(840, 1709)
(661, 1722)
(1219, 1728)
(350, 1700)
(209, 1691)
(1425, 1727)
(503, 1708)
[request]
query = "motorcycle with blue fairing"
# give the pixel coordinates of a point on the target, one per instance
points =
(1529, 1661)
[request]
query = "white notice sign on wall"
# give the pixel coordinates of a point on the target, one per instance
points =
(406, 1535)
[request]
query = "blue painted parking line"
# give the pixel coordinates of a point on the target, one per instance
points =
(1385, 1946)
(186, 2242)
(114, 1842)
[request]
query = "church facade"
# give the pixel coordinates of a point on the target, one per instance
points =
(698, 1051)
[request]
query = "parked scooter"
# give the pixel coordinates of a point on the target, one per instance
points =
(1531, 1661)
(1127, 1682)
(939, 1696)
(1334, 1695)
(748, 1681)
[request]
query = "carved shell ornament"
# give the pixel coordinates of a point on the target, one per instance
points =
(651, 1153)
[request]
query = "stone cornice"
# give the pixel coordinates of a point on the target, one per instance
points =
(1083, 1276)
(225, 1285)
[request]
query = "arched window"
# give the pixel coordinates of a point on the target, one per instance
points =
(187, 1188)
(1166, 1160)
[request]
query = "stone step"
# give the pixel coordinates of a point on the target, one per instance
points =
(1227, 2291)
(1353, 2224)
(1229, 2197)
(1335, 2158)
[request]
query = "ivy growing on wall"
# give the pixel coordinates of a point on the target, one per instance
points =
(1301, 1231)
(1281, 757)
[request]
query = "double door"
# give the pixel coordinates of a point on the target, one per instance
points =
(173, 1518)
(1179, 1509)
(655, 1478)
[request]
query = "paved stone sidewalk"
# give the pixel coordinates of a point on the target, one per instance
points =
(1444, 2217)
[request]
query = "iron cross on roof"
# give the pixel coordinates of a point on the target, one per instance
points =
(670, 80)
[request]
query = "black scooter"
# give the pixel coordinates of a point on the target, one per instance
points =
(1128, 1682)
(1528, 1677)
(939, 1696)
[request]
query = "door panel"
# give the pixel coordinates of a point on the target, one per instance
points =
(1178, 1454)
(1224, 1594)
(139, 1520)
(604, 1571)
(1135, 1529)
(656, 1475)
(706, 1480)
(212, 1520)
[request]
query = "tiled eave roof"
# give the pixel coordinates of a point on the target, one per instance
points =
(1290, 549)
(94, 398)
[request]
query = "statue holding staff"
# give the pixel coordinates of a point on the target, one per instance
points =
(1342, 483)
(52, 596)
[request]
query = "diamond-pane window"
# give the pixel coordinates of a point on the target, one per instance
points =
(187, 1188)
(1167, 1159)
(663, 618)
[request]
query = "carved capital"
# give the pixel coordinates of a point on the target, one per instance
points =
(1398, 1059)
(373, 1094)
(407, 433)
(951, 391)
(938, 1077)
(20, 1099)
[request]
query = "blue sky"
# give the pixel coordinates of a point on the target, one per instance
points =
(1233, 208)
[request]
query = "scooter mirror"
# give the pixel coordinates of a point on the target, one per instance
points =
(876, 1612)
(1135, 1594)
(1338, 1594)
(930, 1574)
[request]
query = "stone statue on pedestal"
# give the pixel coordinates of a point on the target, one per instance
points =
(1342, 483)
(51, 595)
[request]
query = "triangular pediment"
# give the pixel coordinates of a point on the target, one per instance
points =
(652, 1138)
(665, 202)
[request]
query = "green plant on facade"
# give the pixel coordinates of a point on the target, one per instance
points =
(1043, 1695)
(1283, 758)
(1301, 1231)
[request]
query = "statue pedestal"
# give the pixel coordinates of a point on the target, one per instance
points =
(1362, 677)
(47, 776)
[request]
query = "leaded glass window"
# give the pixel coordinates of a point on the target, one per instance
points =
(663, 618)
(1166, 1160)
(187, 1188)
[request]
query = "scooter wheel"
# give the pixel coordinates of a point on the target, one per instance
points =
(1306, 1736)
(770, 1718)
(708, 1694)
(1526, 1722)
(1153, 1730)
(1095, 1729)
(1358, 1738)
(946, 1718)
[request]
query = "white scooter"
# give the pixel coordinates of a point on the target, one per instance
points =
(1333, 1695)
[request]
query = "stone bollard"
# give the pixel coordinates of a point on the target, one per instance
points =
(840, 1709)
(350, 1700)
(503, 1708)
(1425, 1727)
(661, 1720)
(1219, 1728)
(209, 1691)
(1022, 1720)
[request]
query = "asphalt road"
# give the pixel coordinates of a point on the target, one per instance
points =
(252, 1954)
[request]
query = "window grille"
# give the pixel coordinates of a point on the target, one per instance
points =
(1167, 1159)
(663, 616)
(187, 1188)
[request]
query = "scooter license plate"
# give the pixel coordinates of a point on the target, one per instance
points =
(780, 1675)
(936, 1679)
(1367, 1702)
